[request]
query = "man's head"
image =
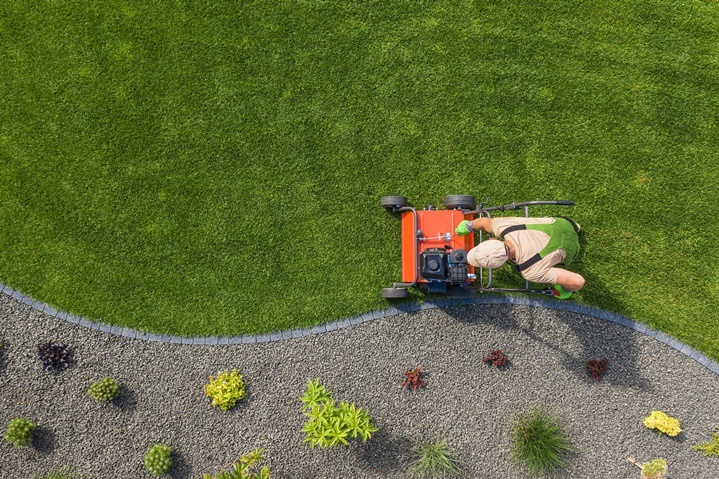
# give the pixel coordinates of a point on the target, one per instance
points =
(488, 254)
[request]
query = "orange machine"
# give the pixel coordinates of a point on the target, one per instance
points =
(434, 257)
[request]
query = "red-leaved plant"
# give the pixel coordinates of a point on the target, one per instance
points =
(597, 367)
(413, 379)
(496, 357)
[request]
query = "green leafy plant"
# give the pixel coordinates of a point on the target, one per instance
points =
(663, 423)
(158, 460)
(64, 473)
(540, 443)
(243, 468)
(19, 432)
(104, 390)
(413, 379)
(434, 460)
(654, 469)
(711, 447)
(329, 425)
(226, 389)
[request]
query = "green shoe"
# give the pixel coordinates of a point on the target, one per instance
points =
(561, 293)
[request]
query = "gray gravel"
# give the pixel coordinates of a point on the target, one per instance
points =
(465, 401)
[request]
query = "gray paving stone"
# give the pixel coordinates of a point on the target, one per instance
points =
(212, 340)
(714, 367)
(195, 340)
(8, 290)
(376, 314)
(332, 326)
(51, 311)
(686, 349)
(641, 327)
(39, 305)
(661, 337)
(674, 343)
(224, 340)
(306, 331)
(427, 305)
(319, 329)
(296, 333)
(62, 315)
(84, 322)
(27, 300)
(164, 338)
(286, 334)
(355, 320)
(129, 333)
(17, 295)
(186, 340)
(695, 355)
(343, 323)
(277, 336)
(248, 339)
(116, 330)
(234, 340)
(106, 328)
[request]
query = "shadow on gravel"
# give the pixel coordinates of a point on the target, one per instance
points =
(602, 339)
(43, 440)
(383, 452)
(126, 401)
(179, 468)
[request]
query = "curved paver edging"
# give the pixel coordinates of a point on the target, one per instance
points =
(366, 317)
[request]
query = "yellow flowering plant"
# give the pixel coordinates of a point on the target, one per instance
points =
(663, 423)
(226, 389)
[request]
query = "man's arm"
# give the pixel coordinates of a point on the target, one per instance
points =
(484, 224)
(568, 280)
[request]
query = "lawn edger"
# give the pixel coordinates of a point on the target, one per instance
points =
(434, 257)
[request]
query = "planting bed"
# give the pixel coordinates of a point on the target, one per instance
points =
(468, 402)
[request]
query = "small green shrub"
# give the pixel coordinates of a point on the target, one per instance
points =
(654, 469)
(19, 432)
(64, 473)
(157, 459)
(539, 443)
(330, 425)
(104, 390)
(242, 468)
(434, 460)
(710, 448)
(226, 389)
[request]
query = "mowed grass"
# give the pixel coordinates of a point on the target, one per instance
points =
(207, 168)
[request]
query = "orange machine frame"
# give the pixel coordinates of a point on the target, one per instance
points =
(432, 223)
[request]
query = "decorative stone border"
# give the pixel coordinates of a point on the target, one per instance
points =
(367, 317)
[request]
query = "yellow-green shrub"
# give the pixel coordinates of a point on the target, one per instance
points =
(662, 423)
(226, 389)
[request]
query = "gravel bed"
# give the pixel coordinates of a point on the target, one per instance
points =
(470, 404)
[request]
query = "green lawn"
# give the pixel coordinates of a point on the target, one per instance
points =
(207, 168)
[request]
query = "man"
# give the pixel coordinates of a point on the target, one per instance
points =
(536, 245)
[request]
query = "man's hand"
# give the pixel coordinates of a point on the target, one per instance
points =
(464, 228)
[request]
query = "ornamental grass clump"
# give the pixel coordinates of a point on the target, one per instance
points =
(540, 443)
(243, 468)
(104, 390)
(157, 459)
(662, 423)
(329, 425)
(710, 448)
(64, 473)
(19, 432)
(226, 389)
(435, 460)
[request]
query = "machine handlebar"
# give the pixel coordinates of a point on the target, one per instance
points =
(514, 206)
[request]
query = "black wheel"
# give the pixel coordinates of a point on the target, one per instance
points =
(465, 202)
(395, 293)
(392, 202)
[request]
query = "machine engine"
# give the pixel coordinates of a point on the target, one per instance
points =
(442, 266)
